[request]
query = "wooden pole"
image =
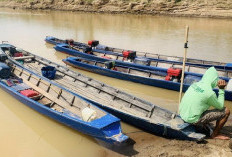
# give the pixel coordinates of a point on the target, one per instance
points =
(183, 67)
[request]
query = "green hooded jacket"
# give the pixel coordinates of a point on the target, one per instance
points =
(200, 96)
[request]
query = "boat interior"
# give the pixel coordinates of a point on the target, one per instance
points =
(165, 57)
(118, 54)
(173, 72)
(163, 64)
(49, 94)
(96, 91)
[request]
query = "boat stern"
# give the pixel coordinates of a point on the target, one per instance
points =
(183, 130)
(49, 39)
(114, 133)
(111, 130)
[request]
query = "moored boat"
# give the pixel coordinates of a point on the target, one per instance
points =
(159, 77)
(159, 64)
(148, 59)
(60, 104)
(129, 108)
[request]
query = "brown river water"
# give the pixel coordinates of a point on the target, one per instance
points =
(24, 132)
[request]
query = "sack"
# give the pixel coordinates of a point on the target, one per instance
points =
(29, 93)
(18, 54)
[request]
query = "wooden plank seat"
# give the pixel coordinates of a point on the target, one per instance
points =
(24, 57)
(45, 101)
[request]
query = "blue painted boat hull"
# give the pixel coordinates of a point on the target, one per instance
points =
(106, 128)
(138, 79)
(77, 53)
(64, 49)
(157, 123)
(155, 128)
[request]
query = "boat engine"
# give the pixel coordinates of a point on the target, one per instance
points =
(18, 52)
(173, 75)
(15, 52)
(110, 65)
(93, 43)
(87, 50)
(69, 41)
(129, 55)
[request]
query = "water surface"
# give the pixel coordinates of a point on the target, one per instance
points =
(29, 133)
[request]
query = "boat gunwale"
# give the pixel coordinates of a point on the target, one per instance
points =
(141, 70)
(62, 47)
(160, 124)
(74, 94)
(144, 53)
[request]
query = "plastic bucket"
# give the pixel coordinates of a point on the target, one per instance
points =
(49, 72)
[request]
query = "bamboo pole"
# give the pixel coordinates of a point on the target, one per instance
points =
(183, 66)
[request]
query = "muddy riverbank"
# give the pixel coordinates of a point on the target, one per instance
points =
(197, 8)
(148, 145)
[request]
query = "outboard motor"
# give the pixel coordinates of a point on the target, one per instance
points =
(129, 55)
(5, 71)
(12, 51)
(93, 43)
(3, 56)
(69, 41)
(87, 50)
(19, 53)
(15, 52)
(173, 75)
(110, 65)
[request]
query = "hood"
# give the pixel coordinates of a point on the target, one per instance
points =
(210, 77)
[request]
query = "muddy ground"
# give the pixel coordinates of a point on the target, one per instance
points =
(190, 8)
(148, 145)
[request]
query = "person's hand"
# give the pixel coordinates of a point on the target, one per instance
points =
(221, 84)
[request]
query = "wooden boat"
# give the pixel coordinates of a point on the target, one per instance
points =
(148, 59)
(157, 77)
(159, 64)
(61, 105)
(129, 108)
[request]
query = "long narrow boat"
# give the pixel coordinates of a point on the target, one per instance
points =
(138, 62)
(129, 108)
(149, 59)
(59, 104)
(226, 72)
(160, 77)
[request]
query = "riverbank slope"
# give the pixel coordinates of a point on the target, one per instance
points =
(196, 8)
